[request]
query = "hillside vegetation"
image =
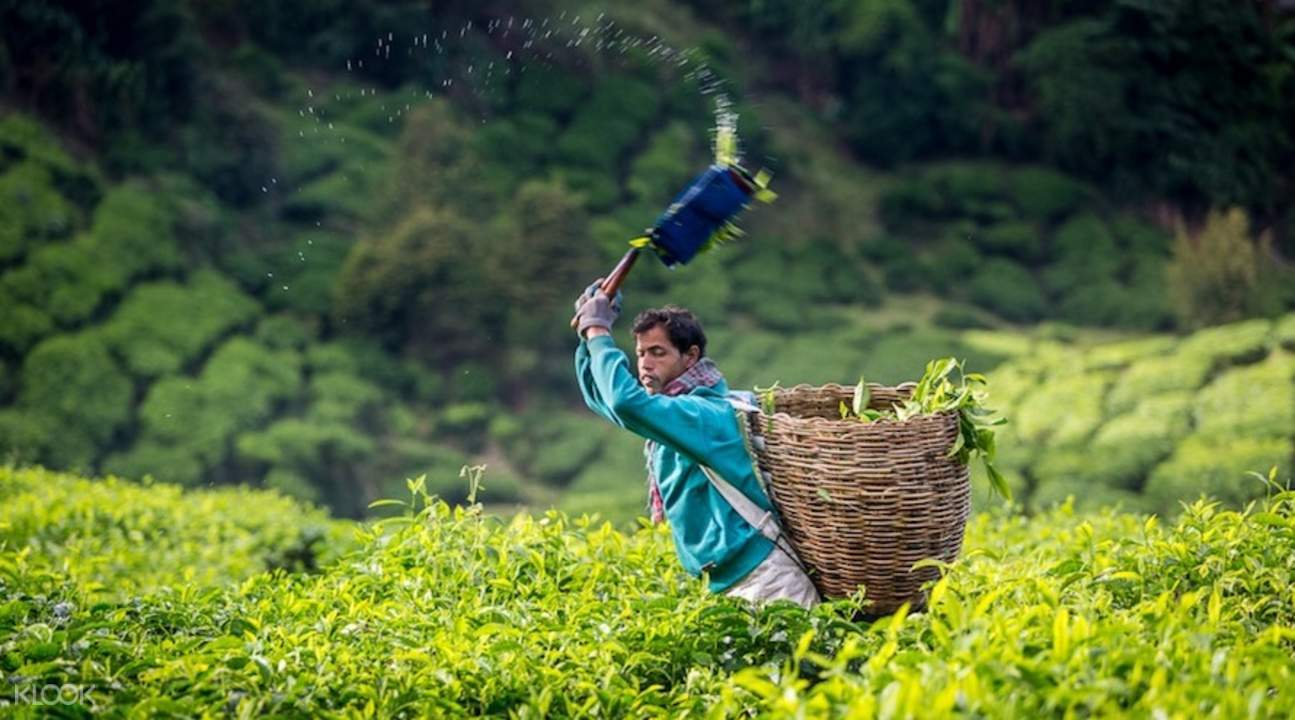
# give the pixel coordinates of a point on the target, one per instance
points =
(323, 247)
(449, 611)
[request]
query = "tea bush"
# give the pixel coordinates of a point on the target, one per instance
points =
(1008, 289)
(162, 327)
(31, 210)
(1045, 195)
(1151, 376)
(450, 612)
(74, 390)
(1255, 400)
(1167, 417)
(1021, 240)
(115, 539)
(1209, 465)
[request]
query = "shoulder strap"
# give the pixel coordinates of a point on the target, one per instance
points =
(764, 521)
(759, 518)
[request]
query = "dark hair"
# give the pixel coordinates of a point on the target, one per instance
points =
(680, 325)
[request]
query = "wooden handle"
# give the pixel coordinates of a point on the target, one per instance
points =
(612, 282)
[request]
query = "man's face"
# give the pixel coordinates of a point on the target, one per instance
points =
(659, 360)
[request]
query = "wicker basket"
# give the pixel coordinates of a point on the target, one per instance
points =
(862, 502)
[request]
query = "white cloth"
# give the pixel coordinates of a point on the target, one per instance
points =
(777, 577)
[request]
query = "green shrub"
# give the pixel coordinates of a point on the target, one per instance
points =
(246, 380)
(1069, 275)
(660, 171)
(1003, 343)
(972, 189)
(1094, 302)
(1123, 352)
(283, 332)
(950, 263)
(550, 90)
(291, 484)
(465, 418)
(1086, 496)
(907, 201)
(73, 380)
(1214, 276)
(895, 357)
(1146, 303)
(452, 590)
(120, 540)
(1239, 343)
(1284, 332)
(522, 144)
(131, 236)
(809, 357)
(31, 210)
(162, 327)
(1007, 289)
(1084, 235)
(23, 325)
(1217, 467)
(240, 388)
(614, 486)
(606, 127)
(883, 248)
(743, 356)
(1126, 448)
(1141, 238)
(305, 445)
(23, 137)
(1063, 409)
(904, 273)
(1045, 195)
(960, 317)
(178, 464)
(24, 140)
(342, 397)
(307, 266)
(344, 148)
(597, 188)
(133, 233)
(1155, 375)
(25, 435)
(1018, 239)
(1253, 401)
(346, 194)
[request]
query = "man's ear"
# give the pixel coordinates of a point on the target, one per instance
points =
(692, 356)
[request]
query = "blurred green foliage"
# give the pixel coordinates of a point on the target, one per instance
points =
(197, 314)
(1151, 422)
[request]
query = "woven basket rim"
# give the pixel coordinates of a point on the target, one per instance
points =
(856, 425)
(837, 423)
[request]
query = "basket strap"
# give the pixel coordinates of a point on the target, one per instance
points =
(764, 521)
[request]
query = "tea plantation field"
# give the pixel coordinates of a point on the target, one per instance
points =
(149, 601)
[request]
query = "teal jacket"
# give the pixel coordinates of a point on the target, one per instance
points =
(699, 427)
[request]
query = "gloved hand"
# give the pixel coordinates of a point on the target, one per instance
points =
(589, 292)
(595, 309)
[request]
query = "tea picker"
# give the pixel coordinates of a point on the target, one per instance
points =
(701, 217)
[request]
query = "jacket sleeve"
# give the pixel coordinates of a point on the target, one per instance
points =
(684, 423)
(588, 389)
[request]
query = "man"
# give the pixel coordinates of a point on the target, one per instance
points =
(679, 404)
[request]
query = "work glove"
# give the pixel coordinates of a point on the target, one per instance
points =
(589, 292)
(595, 309)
